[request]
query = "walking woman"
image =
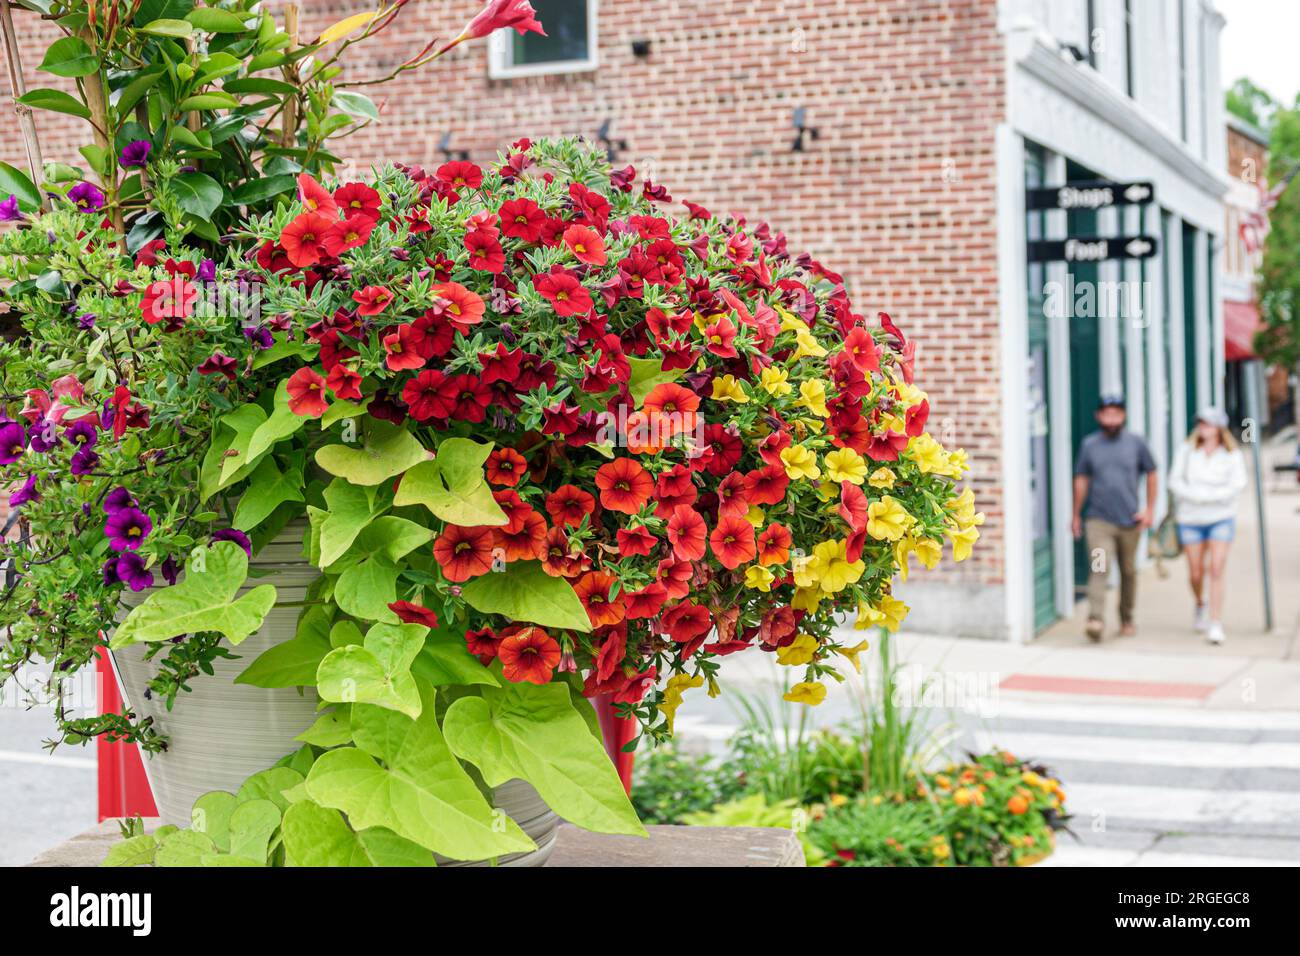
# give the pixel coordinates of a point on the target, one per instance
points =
(1208, 475)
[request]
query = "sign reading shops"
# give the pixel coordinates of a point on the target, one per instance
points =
(1090, 194)
(1092, 248)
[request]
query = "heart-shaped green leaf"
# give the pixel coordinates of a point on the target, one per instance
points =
(525, 592)
(319, 836)
(387, 451)
(378, 672)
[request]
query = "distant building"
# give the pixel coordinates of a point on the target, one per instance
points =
(895, 140)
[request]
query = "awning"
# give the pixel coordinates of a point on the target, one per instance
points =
(1240, 323)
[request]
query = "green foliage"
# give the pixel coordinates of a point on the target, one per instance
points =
(668, 784)
(1249, 102)
(755, 811)
(525, 592)
(873, 831)
(1279, 273)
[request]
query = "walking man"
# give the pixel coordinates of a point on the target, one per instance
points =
(1111, 462)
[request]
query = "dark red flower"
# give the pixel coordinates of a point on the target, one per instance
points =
(483, 644)
(464, 553)
(464, 397)
(422, 394)
(635, 542)
(413, 613)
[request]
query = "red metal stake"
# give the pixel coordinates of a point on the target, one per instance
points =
(123, 787)
(618, 733)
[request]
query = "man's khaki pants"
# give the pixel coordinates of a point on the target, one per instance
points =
(1109, 543)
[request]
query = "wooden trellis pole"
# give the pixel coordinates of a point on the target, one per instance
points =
(19, 87)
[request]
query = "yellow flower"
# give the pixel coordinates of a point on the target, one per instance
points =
(887, 520)
(908, 394)
(893, 610)
(806, 598)
(845, 464)
(838, 800)
(799, 651)
(677, 685)
(928, 455)
(852, 654)
(806, 692)
(929, 551)
(759, 578)
(829, 568)
(958, 464)
(868, 617)
(963, 541)
(903, 549)
(789, 321)
(812, 396)
(881, 478)
(776, 381)
(809, 347)
(963, 509)
(727, 389)
(755, 516)
(800, 462)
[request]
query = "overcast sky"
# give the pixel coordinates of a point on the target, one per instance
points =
(1260, 42)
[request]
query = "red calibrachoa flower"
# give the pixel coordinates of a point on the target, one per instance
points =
(525, 540)
(624, 485)
(401, 350)
(485, 252)
(522, 219)
(635, 542)
(464, 553)
(732, 542)
(483, 644)
(303, 239)
(505, 466)
(569, 504)
(307, 393)
(422, 394)
(347, 234)
(528, 654)
(344, 382)
(774, 545)
(586, 245)
(461, 174)
(461, 307)
(372, 300)
(593, 590)
(358, 199)
(564, 292)
(410, 613)
(315, 197)
(686, 533)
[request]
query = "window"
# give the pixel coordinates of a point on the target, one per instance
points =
(568, 47)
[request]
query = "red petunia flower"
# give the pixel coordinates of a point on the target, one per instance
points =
(358, 199)
(636, 688)
(766, 485)
(505, 466)
(673, 406)
(733, 500)
(171, 299)
(646, 602)
(485, 252)
(635, 542)
(916, 417)
(315, 197)
(674, 487)
(586, 245)
(501, 365)
(459, 305)
(732, 542)
(344, 382)
(862, 347)
(886, 446)
(413, 613)
(464, 397)
(483, 644)
(778, 627)
(346, 234)
(525, 541)
(609, 658)
(560, 559)
(528, 654)
(624, 485)
(593, 590)
(461, 174)
(303, 239)
(726, 447)
(664, 326)
(686, 533)
(307, 393)
(853, 505)
(569, 504)
(774, 545)
(675, 575)
(565, 293)
(719, 336)
(421, 394)
(401, 353)
(464, 553)
(372, 300)
(686, 622)
(522, 219)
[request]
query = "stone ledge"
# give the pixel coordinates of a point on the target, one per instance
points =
(666, 846)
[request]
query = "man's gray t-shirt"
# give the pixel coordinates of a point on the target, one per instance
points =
(1114, 466)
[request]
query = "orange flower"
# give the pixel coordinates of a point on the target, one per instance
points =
(732, 542)
(306, 393)
(526, 542)
(1018, 805)
(528, 654)
(463, 307)
(624, 485)
(559, 558)
(303, 239)
(686, 531)
(569, 504)
(774, 545)
(585, 244)
(464, 553)
(672, 407)
(593, 590)
(505, 466)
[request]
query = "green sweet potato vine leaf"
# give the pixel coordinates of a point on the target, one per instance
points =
(525, 592)
(377, 672)
(203, 600)
(533, 733)
(452, 485)
(319, 836)
(387, 451)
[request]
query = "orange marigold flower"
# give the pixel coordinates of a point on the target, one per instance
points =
(528, 654)
(464, 553)
(624, 485)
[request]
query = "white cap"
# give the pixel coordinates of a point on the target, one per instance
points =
(1213, 416)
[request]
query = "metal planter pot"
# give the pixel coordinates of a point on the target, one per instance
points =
(221, 732)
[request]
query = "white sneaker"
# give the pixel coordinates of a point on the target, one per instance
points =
(1202, 620)
(1215, 633)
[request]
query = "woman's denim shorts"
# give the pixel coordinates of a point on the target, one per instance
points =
(1200, 533)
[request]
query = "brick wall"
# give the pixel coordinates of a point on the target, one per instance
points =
(898, 193)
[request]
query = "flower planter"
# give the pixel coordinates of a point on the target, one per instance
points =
(222, 732)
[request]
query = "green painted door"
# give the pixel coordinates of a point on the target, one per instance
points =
(1085, 359)
(1040, 471)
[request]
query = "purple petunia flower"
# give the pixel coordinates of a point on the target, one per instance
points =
(127, 529)
(207, 271)
(86, 197)
(86, 320)
(132, 572)
(259, 335)
(116, 500)
(9, 211)
(136, 153)
(170, 570)
(43, 436)
(82, 431)
(83, 461)
(109, 571)
(230, 534)
(13, 441)
(25, 494)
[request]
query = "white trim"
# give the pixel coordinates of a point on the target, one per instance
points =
(499, 46)
(1059, 406)
(1204, 346)
(1014, 306)
(1173, 242)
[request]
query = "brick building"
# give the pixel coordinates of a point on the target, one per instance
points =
(924, 120)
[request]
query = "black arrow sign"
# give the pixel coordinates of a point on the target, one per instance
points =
(1090, 194)
(1092, 248)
